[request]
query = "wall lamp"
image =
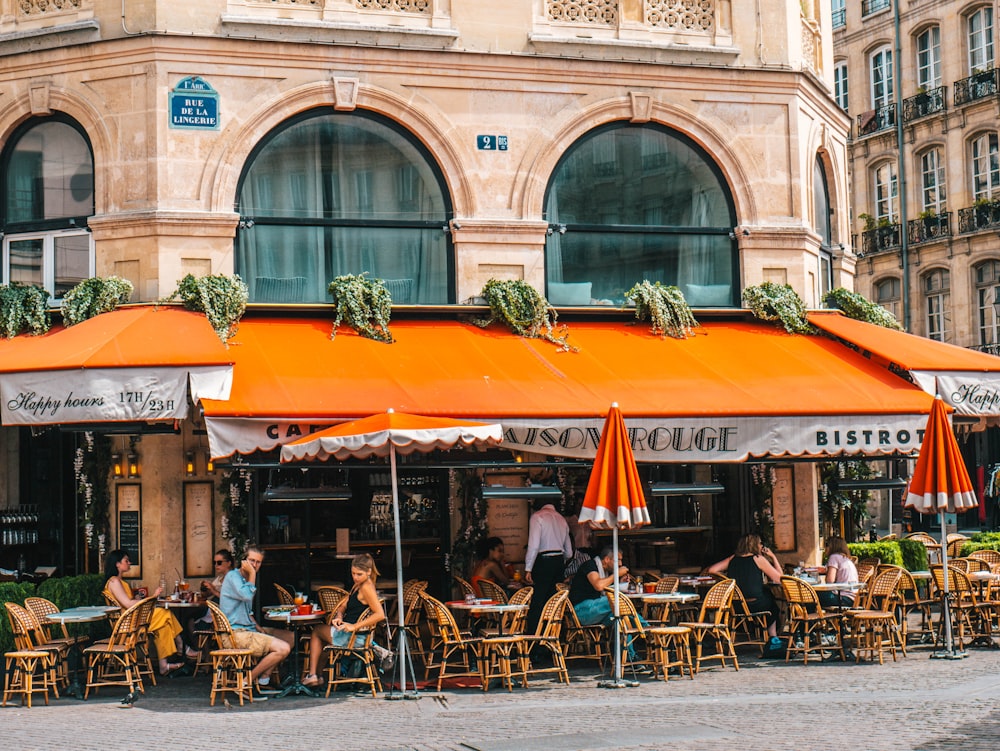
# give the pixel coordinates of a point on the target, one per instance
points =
(189, 464)
(116, 465)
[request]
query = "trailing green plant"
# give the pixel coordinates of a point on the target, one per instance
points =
(833, 501)
(519, 305)
(363, 304)
(23, 307)
(665, 307)
(92, 471)
(466, 488)
(222, 298)
(94, 296)
(859, 308)
(762, 479)
(235, 489)
(778, 302)
(927, 214)
(869, 221)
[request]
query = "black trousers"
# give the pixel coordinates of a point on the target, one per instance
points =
(545, 574)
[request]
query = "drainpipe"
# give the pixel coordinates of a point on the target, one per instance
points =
(904, 245)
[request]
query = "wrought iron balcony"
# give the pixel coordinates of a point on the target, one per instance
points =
(925, 103)
(838, 18)
(925, 229)
(990, 349)
(879, 240)
(977, 86)
(984, 215)
(873, 6)
(873, 121)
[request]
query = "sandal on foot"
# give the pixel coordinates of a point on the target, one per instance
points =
(172, 667)
(312, 681)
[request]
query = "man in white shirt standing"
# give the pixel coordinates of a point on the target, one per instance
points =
(549, 548)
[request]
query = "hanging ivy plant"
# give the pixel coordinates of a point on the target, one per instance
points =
(222, 299)
(94, 296)
(466, 487)
(833, 501)
(762, 479)
(665, 307)
(23, 307)
(92, 471)
(778, 302)
(363, 304)
(517, 304)
(859, 308)
(235, 491)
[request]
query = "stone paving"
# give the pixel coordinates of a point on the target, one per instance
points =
(917, 704)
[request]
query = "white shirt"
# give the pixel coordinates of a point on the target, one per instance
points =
(547, 531)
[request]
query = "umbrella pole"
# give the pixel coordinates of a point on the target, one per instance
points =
(949, 650)
(616, 679)
(401, 656)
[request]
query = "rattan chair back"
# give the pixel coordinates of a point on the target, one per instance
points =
(284, 596)
(716, 607)
(464, 586)
(330, 597)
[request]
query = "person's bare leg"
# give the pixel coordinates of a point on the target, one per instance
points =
(279, 651)
(319, 638)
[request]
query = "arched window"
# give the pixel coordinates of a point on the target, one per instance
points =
(332, 193)
(937, 291)
(628, 203)
(932, 181)
(821, 222)
(985, 158)
(987, 296)
(929, 58)
(888, 295)
(886, 192)
(48, 196)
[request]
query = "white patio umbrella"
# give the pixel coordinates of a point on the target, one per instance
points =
(383, 435)
(941, 484)
(615, 500)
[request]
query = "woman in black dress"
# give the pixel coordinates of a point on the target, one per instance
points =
(749, 566)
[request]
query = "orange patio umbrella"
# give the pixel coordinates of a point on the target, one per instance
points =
(615, 500)
(940, 484)
(387, 434)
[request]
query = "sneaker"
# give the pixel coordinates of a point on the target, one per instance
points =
(641, 669)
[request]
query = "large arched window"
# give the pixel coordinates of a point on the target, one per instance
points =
(332, 193)
(821, 223)
(48, 195)
(633, 202)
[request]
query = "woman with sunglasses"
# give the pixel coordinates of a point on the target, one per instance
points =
(223, 563)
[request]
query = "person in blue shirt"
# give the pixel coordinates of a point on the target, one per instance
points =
(270, 645)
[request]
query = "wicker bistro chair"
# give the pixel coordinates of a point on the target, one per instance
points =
(54, 633)
(714, 620)
(632, 632)
(464, 586)
(749, 626)
(492, 591)
(284, 596)
(974, 565)
(515, 621)
(911, 599)
(455, 643)
(874, 625)
(114, 663)
(330, 597)
(27, 672)
(111, 602)
(954, 542)
(990, 557)
(546, 636)
(583, 642)
(231, 665)
(970, 618)
(361, 651)
(30, 638)
(413, 613)
(808, 623)
(867, 569)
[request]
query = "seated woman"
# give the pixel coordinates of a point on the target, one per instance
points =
(749, 565)
(839, 568)
(210, 590)
(164, 627)
(347, 619)
(491, 564)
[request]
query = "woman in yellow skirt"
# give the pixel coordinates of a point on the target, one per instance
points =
(164, 627)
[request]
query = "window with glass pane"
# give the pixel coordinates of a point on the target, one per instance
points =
(987, 295)
(838, 13)
(629, 203)
(882, 78)
(48, 180)
(936, 294)
(929, 58)
(985, 166)
(887, 294)
(886, 192)
(980, 26)
(840, 85)
(336, 193)
(932, 176)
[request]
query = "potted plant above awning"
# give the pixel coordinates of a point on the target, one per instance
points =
(519, 305)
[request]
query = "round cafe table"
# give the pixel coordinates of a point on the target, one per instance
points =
(86, 614)
(296, 624)
(477, 609)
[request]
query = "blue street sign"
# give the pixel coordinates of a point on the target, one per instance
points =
(491, 143)
(194, 105)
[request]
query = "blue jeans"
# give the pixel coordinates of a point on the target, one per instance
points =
(598, 611)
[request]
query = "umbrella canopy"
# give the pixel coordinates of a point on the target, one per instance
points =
(940, 481)
(387, 434)
(615, 500)
(940, 484)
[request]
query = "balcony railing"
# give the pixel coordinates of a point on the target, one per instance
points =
(874, 6)
(925, 103)
(990, 349)
(873, 121)
(838, 18)
(977, 86)
(985, 215)
(879, 239)
(925, 229)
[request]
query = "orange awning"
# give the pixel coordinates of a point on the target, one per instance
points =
(967, 380)
(291, 378)
(134, 363)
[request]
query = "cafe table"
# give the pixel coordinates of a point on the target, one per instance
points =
(89, 614)
(296, 624)
(666, 601)
(478, 608)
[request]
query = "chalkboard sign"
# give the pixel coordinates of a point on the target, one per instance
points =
(130, 525)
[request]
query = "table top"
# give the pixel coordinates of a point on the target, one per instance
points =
(78, 615)
(655, 597)
(983, 576)
(698, 581)
(487, 607)
(838, 586)
(169, 603)
(287, 616)
(920, 574)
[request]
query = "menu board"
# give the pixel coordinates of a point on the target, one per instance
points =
(199, 537)
(507, 518)
(783, 508)
(129, 497)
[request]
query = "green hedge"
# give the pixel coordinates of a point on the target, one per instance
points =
(12, 592)
(65, 592)
(910, 554)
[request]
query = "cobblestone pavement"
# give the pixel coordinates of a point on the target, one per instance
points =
(917, 703)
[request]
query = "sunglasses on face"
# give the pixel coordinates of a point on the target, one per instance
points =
(218, 563)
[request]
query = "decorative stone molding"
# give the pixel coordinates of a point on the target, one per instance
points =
(642, 107)
(39, 96)
(345, 93)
